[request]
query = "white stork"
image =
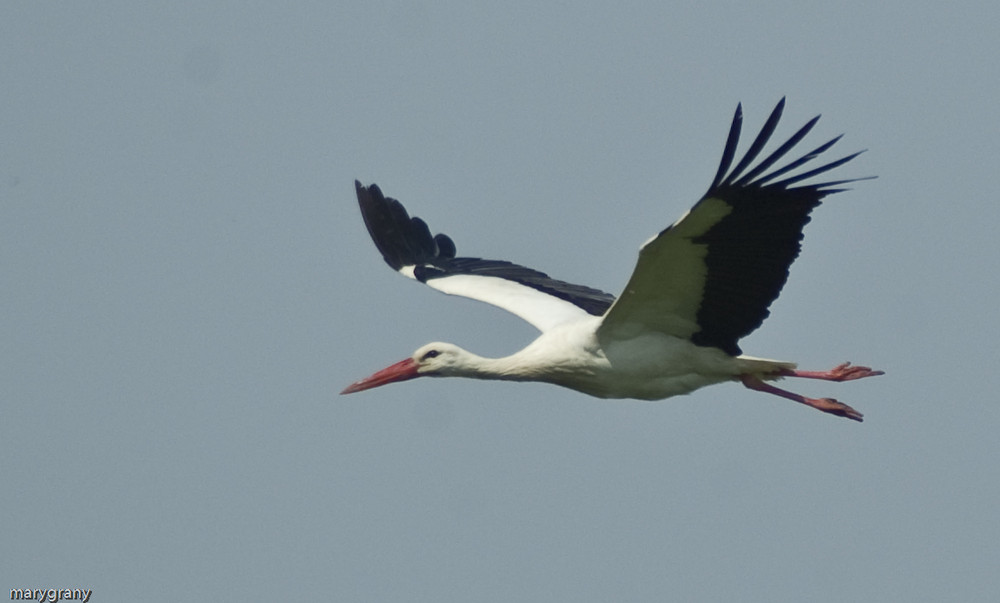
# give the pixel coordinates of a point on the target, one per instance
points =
(699, 286)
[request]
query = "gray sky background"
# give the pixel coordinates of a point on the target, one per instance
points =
(186, 284)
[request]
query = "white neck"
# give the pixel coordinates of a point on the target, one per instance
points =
(533, 363)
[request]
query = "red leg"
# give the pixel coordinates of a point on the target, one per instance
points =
(823, 404)
(843, 372)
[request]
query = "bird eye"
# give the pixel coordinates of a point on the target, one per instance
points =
(430, 354)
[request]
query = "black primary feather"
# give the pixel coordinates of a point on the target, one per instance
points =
(751, 249)
(407, 241)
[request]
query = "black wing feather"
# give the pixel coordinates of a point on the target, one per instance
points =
(729, 152)
(751, 249)
(758, 144)
(405, 241)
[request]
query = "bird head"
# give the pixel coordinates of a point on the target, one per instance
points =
(432, 360)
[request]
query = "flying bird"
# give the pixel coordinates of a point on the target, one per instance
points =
(699, 286)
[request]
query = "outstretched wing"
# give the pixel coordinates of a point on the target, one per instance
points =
(408, 247)
(711, 276)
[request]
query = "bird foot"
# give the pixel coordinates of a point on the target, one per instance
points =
(841, 372)
(829, 405)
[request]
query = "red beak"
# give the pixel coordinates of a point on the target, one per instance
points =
(401, 371)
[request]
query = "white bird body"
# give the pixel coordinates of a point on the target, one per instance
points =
(649, 366)
(699, 286)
